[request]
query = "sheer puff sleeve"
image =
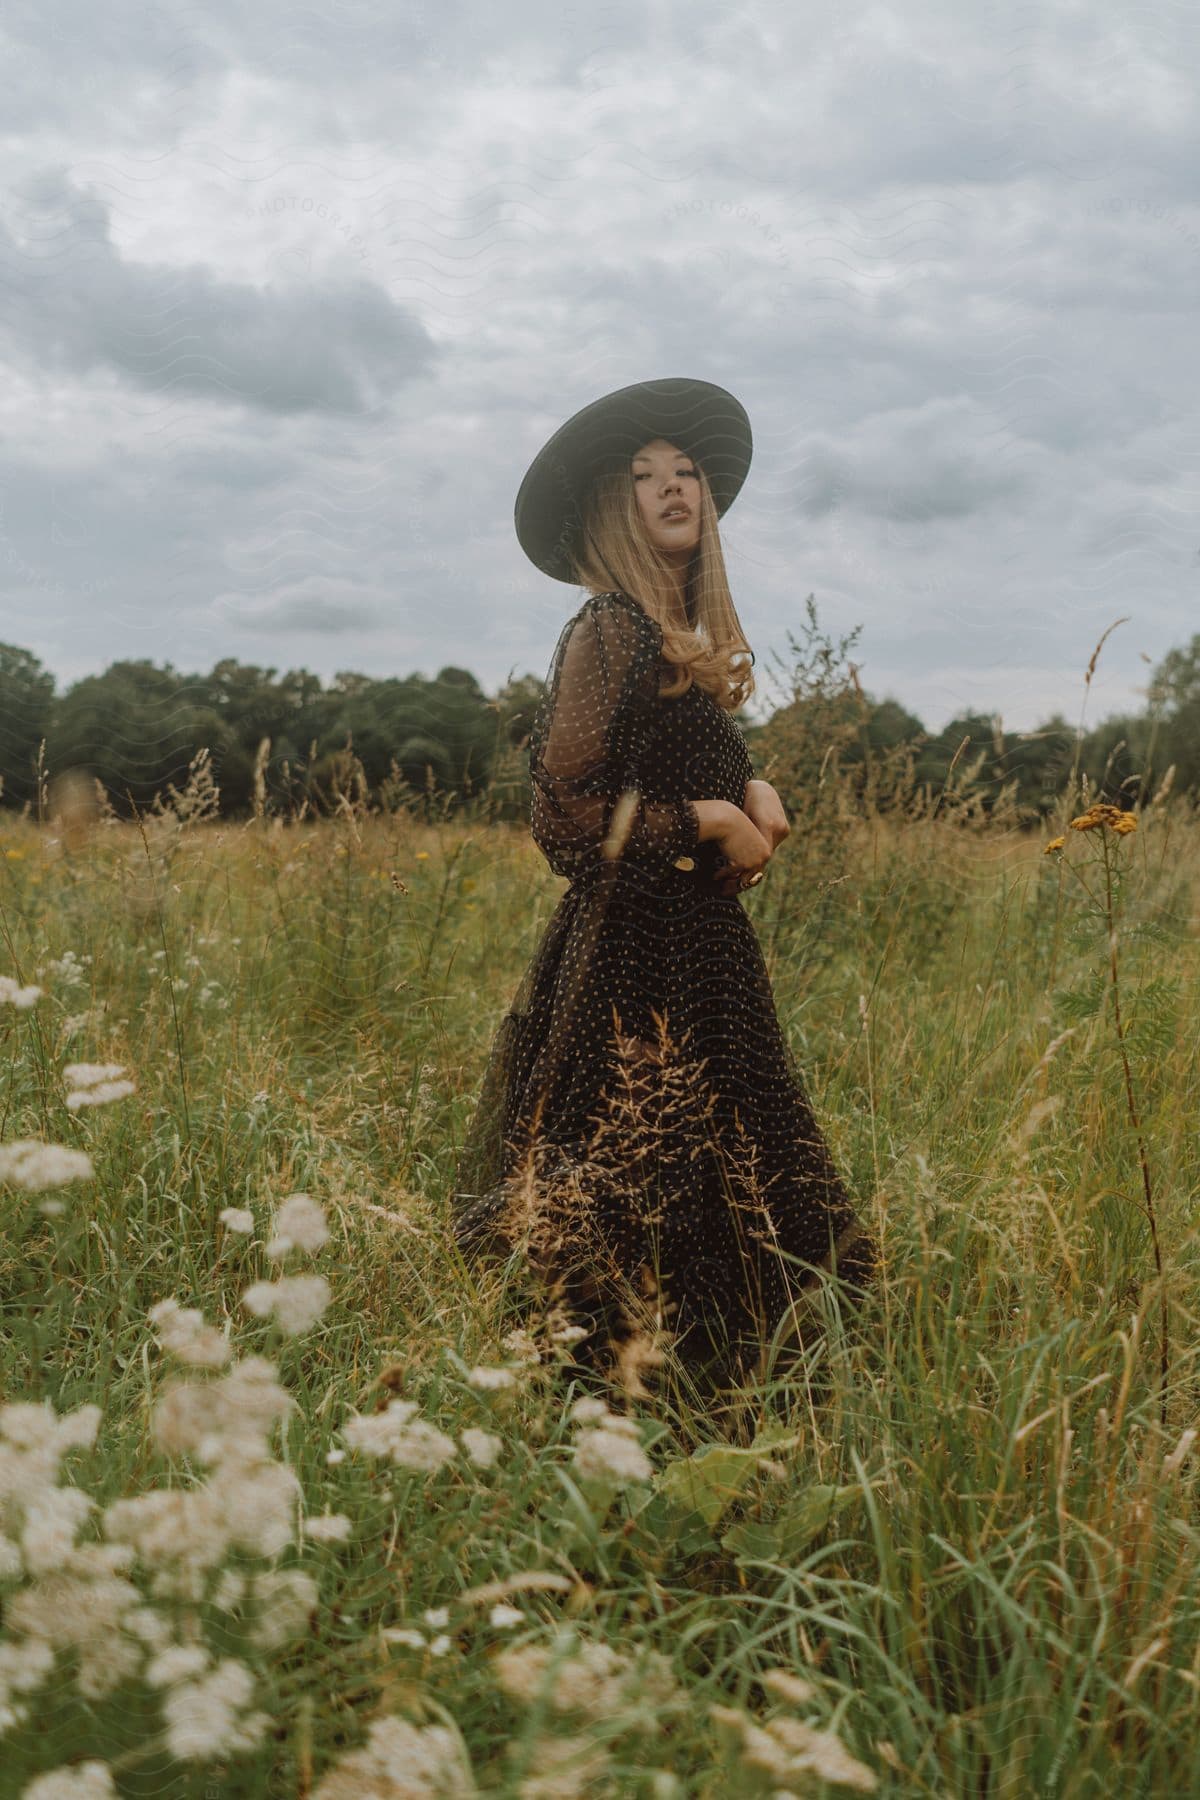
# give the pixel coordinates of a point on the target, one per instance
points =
(587, 803)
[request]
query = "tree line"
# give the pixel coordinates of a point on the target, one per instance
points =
(282, 741)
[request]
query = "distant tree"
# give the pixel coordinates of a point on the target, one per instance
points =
(1175, 695)
(1041, 759)
(26, 702)
(135, 728)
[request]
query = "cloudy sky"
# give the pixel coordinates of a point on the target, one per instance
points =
(291, 297)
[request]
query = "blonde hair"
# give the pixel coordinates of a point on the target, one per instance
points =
(616, 552)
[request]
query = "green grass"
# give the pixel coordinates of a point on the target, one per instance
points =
(954, 1522)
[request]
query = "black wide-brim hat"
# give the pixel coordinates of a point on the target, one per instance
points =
(705, 422)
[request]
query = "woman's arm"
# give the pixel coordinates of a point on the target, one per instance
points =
(586, 806)
(716, 817)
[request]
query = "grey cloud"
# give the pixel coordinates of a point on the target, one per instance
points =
(937, 461)
(340, 346)
(315, 604)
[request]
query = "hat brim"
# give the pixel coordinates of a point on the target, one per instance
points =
(704, 420)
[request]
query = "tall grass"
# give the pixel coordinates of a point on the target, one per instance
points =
(966, 1517)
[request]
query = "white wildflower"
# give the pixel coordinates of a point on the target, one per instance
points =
(148, 1625)
(297, 1301)
(90, 1780)
(522, 1346)
(335, 1456)
(502, 1616)
(607, 1454)
(438, 1646)
(11, 1561)
(594, 1680)
(237, 1218)
(81, 1610)
(52, 1526)
(299, 1224)
(95, 1084)
(327, 1528)
(69, 969)
(13, 994)
(181, 1534)
(589, 1411)
(100, 1095)
(491, 1380)
(286, 1599)
(436, 1615)
(394, 1432)
(482, 1447)
(86, 1075)
(28, 1163)
(25, 1666)
(202, 1717)
(568, 1768)
(32, 1442)
(182, 1332)
(179, 1662)
(258, 1502)
(404, 1634)
(375, 1432)
(791, 1752)
(422, 1447)
(222, 1419)
(234, 1416)
(400, 1761)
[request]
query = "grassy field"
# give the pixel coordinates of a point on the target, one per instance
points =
(308, 1544)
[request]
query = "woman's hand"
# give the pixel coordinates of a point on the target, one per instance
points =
(745, 850)
(764, 808)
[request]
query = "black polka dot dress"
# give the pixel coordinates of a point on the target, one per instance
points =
(642, 1128)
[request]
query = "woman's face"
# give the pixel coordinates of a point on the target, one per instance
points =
(668, 496)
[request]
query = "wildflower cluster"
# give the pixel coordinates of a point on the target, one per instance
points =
(1101, 816)
(132, 1604)
(598, 1692)
(29, 1163)
(785, 1756)
(95, 1084)
(608, 1448)
(400, 1761)
(13, 994)
(295, 1301)
(69, 970)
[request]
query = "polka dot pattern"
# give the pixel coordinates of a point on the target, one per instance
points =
(641, 1110)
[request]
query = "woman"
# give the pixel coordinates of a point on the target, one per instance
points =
(642, 1131)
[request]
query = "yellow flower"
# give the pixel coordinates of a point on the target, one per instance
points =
(1054, 844)
(1100, 814)
(1126, 823)
(422, 855)
(15, 855)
